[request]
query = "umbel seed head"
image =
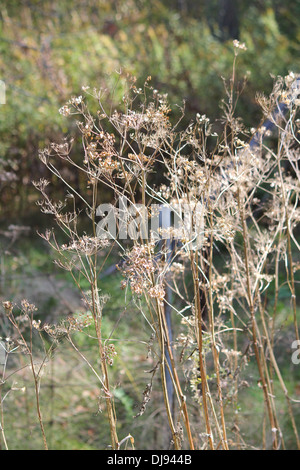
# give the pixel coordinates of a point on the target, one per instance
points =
(8, 306)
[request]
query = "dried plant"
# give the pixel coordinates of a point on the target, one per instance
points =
(234, 193)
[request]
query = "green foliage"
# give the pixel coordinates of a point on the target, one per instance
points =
(49, 50)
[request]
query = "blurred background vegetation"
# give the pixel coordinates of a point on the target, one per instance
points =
(48, 51)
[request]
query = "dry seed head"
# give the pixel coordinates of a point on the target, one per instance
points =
(8, 306)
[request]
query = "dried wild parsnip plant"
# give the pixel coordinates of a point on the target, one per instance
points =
(216, 266)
